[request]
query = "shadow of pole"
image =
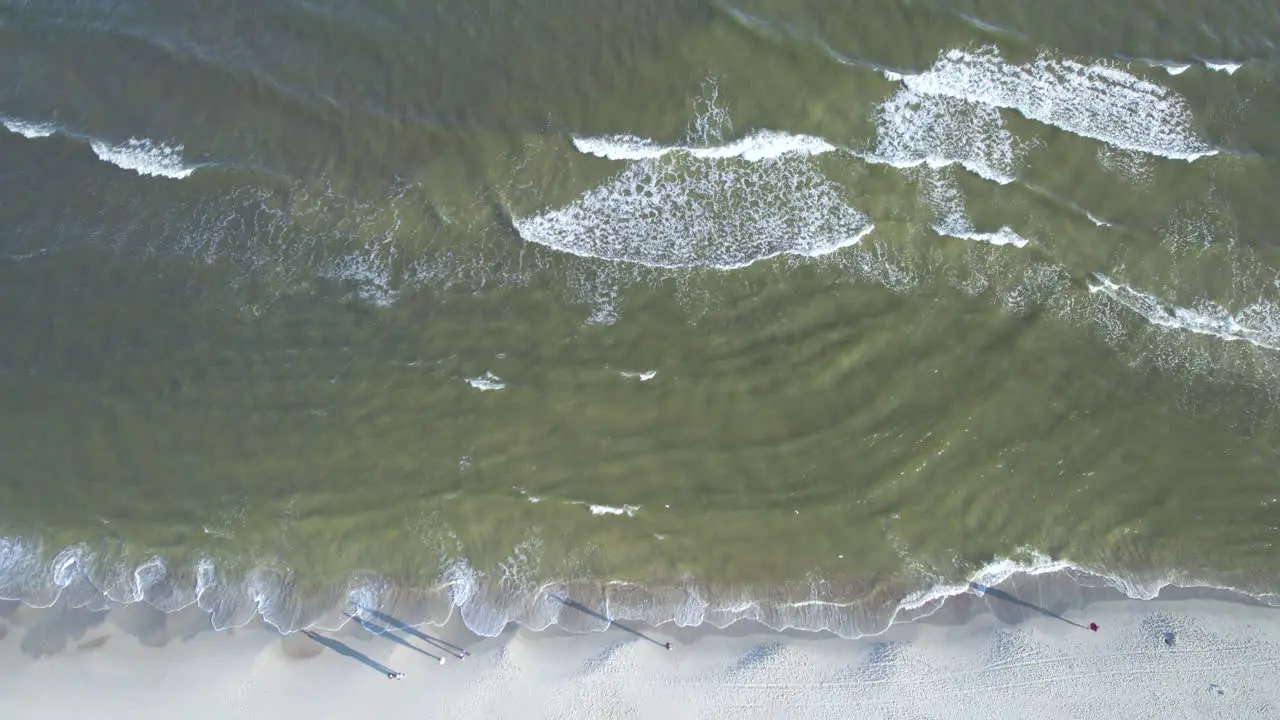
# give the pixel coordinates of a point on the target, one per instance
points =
(384, 632)
(993, 592)
(444, 645)
(346, 650)
(584, 609)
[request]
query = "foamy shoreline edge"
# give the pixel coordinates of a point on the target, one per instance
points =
(1193, 657)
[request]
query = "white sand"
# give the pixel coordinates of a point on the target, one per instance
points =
(1225, 663)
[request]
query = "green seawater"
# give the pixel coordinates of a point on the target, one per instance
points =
(773, 299)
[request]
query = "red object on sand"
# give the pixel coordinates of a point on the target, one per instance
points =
(1093, 627)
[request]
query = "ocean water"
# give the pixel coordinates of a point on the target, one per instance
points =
(693, 311)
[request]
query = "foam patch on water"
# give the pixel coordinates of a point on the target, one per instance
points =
(1134, 167)
(918, 129)
(628, 510)
(1229, 68)
(1096, 220)
(943, 194)
(27, 129)
(682, 211)
(1257, 324)
(370, 274)
(144, 157)
(761, 145)
(645, 376)
(710, 202)
(1003, 236)
(1099, 101)
(487, 381)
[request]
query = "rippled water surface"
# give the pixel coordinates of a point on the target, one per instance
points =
(704, 310)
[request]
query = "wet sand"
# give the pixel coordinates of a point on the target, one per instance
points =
(1162, 658)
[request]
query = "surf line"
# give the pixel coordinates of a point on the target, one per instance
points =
(985, 590)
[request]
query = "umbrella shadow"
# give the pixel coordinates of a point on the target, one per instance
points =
(613, 623)
(1001, 594)
(377, 629)
(444, 645)
(344, 649)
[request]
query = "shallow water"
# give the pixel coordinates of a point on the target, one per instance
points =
(764, 307)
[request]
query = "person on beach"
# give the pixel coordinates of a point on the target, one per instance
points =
(395, 676)
(1093, 627)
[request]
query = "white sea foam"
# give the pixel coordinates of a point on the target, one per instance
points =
(1096, 220)
(144, 157)
(628, 510)
(67, 565)
(364, 595)
(1099, 101)
(943, 194)
(19, 568)
(645, 376)
(1257, 324)
(761, 145)
(527, 496)
(27, 129)
(369, 270)
(705, 203)
(1227, 67)
(681, 211)
(995, 572)
(1003, 236)
(1134, 167)
(487, 381)
(935, 130)
(461, 580)
(513, 591)
(151, 573)
(1176, 69)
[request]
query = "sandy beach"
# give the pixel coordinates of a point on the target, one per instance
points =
(1194, 658)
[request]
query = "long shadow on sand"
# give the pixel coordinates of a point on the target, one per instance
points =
(583, 608)
(444, 645)
(344, 649)
(1002, 595)
(377, 629)
(59, 626)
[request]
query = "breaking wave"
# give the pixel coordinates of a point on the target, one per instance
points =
(145, 157)
(722, 207)
(943, 194)
(761, 145)
(149, 158)
(1257, 324)
(917, 129)
(1099, 101)
(26, 129)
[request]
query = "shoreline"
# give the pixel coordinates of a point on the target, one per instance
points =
(845, 608)
(1189, 656)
